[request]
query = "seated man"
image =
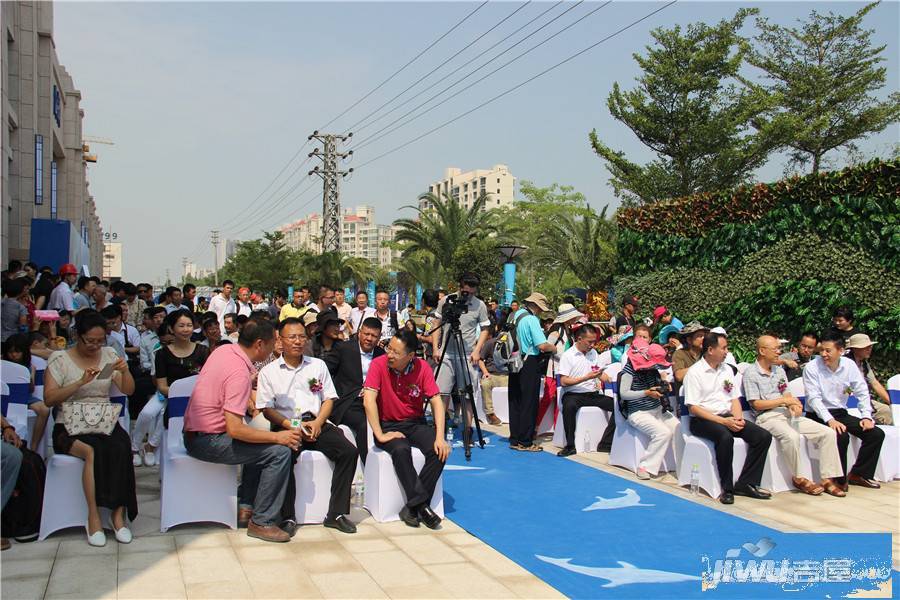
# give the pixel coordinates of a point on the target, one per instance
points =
(829, 380)
(214, 431)
(396, 388)
(795, 362)
(715, 407)
(779, 413)
(297, 389)
(859, 348)
(349, 364)
(580, 372)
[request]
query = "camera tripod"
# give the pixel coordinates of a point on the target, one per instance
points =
(463, 394)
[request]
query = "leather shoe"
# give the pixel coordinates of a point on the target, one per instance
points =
(268, 533)
(726, 498)
(428, 516)
(494, 420)
(752, 491)
(409, 517)
(341, 523)
(567, 451)
(854, 479)
(244, 515)
(289, 526)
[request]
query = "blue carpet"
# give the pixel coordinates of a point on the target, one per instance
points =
(591, 534)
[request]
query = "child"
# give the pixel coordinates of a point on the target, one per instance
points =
(17, 349)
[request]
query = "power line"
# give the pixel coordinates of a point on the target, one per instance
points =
(514, 88)
(458, 52)
(379, 134)
(473, 59)
(411, 61)
(265, 214)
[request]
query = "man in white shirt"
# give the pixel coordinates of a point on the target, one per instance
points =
(222, 303)
(580, 371)
(713, 400)
(388, 317)
(830, 379)
(361, 311)
(62, 297)
(150, 340)
(243, 303)
(296, 391)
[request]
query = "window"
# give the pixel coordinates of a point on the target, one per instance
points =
(38, 169)
(53, 189)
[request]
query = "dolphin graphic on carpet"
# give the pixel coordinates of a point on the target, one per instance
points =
(630, 498)
(625, 574)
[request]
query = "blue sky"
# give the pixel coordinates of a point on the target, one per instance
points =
(207, 102)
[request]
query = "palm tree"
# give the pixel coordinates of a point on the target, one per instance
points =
(335, 268)
(587, 247)
(444, 226)
(423, 268)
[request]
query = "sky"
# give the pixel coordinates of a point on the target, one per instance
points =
(208, 102)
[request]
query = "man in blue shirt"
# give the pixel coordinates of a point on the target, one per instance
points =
(525, 386)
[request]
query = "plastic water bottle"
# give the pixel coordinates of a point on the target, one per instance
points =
(695, 480)
(359, 491)
(449, 436)
(587, 442)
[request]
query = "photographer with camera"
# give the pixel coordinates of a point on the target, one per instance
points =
(470, 313)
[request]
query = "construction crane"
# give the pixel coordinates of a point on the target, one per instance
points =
(86, 149)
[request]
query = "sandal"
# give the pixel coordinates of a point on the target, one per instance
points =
(833, 489)
(808, 487)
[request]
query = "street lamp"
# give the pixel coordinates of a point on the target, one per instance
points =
(509, 270)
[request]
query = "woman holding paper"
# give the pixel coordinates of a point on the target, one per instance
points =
(77, 382)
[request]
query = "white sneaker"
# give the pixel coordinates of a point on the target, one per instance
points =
(123, 536)
(149, 458)
(136, 459)
(642, 473)
(98, 538)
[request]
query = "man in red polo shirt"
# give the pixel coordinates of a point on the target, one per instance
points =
(396, 388)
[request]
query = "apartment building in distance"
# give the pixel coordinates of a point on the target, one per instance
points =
(361, 236)
(497, 182)
(48, 213)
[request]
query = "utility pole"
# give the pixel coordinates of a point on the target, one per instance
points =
(331, 199)
(215, 242)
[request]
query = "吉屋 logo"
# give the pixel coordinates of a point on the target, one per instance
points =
(790, 574)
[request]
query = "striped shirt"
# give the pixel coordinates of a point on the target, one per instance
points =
(633, 383)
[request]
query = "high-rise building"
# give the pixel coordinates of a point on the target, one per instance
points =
(49, 215)
(112, 260)
(360, 235)
(497, 183)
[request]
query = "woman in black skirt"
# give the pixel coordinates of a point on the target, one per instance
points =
(72, 376)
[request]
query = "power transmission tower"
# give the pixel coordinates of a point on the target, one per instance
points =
(214, 238)
(331, 199)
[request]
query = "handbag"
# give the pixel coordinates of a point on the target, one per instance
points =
(90, 417)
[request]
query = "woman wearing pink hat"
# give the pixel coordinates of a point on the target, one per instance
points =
(643, 391)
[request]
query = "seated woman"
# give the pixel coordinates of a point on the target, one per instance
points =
(175, 360)
(642, 390)
(72, 377)
(17, 349)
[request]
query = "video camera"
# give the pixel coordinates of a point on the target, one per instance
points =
(455, 305)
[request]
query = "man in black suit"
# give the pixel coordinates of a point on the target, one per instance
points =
(348, 362)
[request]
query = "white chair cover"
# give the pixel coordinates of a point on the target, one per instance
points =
(500, 396)
(384, 496)
(15, 402)
(193, 491)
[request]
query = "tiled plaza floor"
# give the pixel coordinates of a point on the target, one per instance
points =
(382, 560)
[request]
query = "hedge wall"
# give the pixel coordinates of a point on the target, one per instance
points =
(777, 257)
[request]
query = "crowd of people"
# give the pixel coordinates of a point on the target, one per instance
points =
(276, 377)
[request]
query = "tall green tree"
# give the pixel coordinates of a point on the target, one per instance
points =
(422, 268)
(690, 111)
(335, 269)
(588, 247)
(527, 223)
(443, 226)
(481, 257)
(824, 76)
(264, 265)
